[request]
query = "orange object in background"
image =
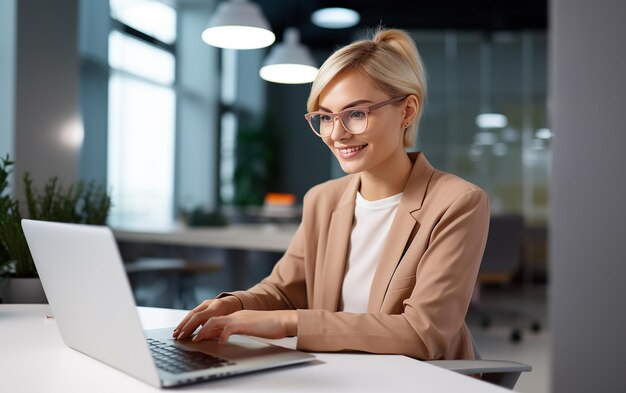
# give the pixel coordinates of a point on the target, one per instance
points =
(280, 199)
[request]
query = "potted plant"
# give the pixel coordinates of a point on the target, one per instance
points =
(84, 203)
(256, 160)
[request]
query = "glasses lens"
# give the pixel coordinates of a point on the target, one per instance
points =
(355, 120)
(322, 124)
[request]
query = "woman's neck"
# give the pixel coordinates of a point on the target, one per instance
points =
(386, 180)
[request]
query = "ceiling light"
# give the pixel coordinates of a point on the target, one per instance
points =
(543, 133)
(238, 24)
(289, 62)
(491, 120)
(335, 18)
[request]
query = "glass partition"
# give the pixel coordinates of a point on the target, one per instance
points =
(470, 74)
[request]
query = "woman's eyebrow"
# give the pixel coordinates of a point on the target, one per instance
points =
(350, 105)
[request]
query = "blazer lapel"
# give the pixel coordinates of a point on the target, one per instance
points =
(338, 242)
(402, 230)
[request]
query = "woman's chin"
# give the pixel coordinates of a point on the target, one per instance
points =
(349, 167)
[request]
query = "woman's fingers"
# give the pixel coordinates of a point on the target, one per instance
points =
(199, 318)
(224, 327)
(205, 310)
(225, 333)
(219, 320)
(211, 329)
(266, 324)
(202, 306)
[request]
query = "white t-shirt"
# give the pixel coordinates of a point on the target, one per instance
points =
(372, 221)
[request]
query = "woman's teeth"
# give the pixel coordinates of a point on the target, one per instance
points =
(351, 149)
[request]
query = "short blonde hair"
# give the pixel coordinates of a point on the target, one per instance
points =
(390, 60)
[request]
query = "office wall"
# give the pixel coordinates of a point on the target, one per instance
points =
(588, 217)
(48, 128)
(7, 75)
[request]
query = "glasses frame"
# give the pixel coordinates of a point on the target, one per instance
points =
(366, 109)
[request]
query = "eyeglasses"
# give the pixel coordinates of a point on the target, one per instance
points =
(354, 120)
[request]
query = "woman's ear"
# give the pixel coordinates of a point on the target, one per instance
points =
(411, 108)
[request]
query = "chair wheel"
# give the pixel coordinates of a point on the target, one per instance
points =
(516, 336)
(535, 327)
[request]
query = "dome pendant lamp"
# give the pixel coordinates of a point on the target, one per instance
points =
(238, 24)
(289, 62)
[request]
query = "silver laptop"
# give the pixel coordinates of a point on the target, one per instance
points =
(91, 299)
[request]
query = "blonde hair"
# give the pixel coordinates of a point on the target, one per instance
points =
(390, 60)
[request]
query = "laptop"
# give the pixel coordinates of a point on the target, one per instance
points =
(84, 279)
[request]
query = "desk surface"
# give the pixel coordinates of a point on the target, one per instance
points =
(262, 237)
(33, 358)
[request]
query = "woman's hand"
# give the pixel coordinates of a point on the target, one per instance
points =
(203, 312)
(266, 324)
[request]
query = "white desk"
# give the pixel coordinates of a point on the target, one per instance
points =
(261, 237)
(34, 359)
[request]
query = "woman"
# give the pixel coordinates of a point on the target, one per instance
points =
(385, 259)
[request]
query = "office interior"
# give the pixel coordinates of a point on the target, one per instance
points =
(185, 135)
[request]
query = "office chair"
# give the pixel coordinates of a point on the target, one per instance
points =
(498, 372)
(502, 259)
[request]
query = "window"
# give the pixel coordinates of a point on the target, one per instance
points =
(142, 113)
(147, 16)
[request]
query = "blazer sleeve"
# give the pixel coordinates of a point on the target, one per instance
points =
(434, 313)
(285, 287)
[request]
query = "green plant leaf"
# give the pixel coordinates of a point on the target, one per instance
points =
(81, 202)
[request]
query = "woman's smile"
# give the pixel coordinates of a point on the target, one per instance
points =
(347, 152)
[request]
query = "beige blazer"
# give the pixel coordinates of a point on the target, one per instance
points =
(423, 283)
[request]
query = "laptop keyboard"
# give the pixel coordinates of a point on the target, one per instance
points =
(175, 360)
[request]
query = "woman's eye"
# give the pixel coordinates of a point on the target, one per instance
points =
(325, 118)
(357, 115)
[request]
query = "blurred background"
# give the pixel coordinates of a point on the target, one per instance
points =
(207, 162)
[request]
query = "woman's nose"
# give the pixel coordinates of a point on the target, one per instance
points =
(339, 131)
